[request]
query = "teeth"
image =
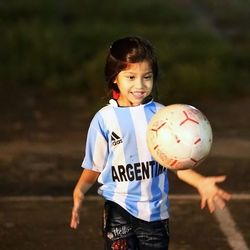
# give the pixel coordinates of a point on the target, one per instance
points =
(138, 94)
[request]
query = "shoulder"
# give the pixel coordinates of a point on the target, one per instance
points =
(104, 111)
(102, 117)
(154, 105)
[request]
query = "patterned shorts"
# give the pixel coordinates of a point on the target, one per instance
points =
(122, 231)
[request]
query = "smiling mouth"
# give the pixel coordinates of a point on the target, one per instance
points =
(138, 94)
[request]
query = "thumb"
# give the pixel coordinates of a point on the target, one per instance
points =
(220, 178)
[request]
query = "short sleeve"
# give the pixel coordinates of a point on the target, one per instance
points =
(96, 145)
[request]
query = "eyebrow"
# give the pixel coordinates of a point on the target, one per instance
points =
(132, 72)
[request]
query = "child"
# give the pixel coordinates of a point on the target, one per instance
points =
(134, 186)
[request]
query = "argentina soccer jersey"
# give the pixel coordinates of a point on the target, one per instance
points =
(128, 171)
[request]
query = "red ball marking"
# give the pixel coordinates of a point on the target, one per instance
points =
(197, 141)
(188, 119)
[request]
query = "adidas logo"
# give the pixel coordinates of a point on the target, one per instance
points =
(115, 139)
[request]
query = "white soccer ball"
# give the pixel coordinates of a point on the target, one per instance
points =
(179, 136)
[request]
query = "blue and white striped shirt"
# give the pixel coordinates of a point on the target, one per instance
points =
(116, 147)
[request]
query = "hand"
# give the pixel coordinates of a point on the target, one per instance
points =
(75, 216)
(211, 194)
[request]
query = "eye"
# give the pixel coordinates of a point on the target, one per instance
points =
(130, 77)
(148, 77)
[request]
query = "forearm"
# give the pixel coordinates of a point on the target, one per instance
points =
(190, 177)
(85, 182)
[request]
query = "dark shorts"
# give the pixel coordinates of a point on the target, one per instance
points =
(122, 231)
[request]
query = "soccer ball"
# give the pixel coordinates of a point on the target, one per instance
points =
(179, 136)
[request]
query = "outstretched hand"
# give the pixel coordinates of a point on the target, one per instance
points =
(211, 194)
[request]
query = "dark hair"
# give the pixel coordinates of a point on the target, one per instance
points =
(125, 51)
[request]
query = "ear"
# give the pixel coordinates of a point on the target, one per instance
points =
(115, 81)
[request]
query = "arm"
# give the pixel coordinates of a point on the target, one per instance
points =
(85, 182)
(210, 193)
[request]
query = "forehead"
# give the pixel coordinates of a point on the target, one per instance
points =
(143, 66)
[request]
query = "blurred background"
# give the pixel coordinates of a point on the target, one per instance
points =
(52, 55)
(59, 47)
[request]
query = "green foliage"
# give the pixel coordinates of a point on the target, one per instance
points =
(60, 46)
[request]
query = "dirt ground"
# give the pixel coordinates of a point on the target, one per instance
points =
(41, 149)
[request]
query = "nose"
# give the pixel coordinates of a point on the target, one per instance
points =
(139, 83)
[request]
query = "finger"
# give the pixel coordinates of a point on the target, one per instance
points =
(203, 203)
(211, 205)
(219, 202)
(220, 178)
(74, 223)
(75, 220)
(224, 195)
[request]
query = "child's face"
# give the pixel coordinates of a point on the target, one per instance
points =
(135, 83)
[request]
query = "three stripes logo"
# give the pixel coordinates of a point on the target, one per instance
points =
(115, 139)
